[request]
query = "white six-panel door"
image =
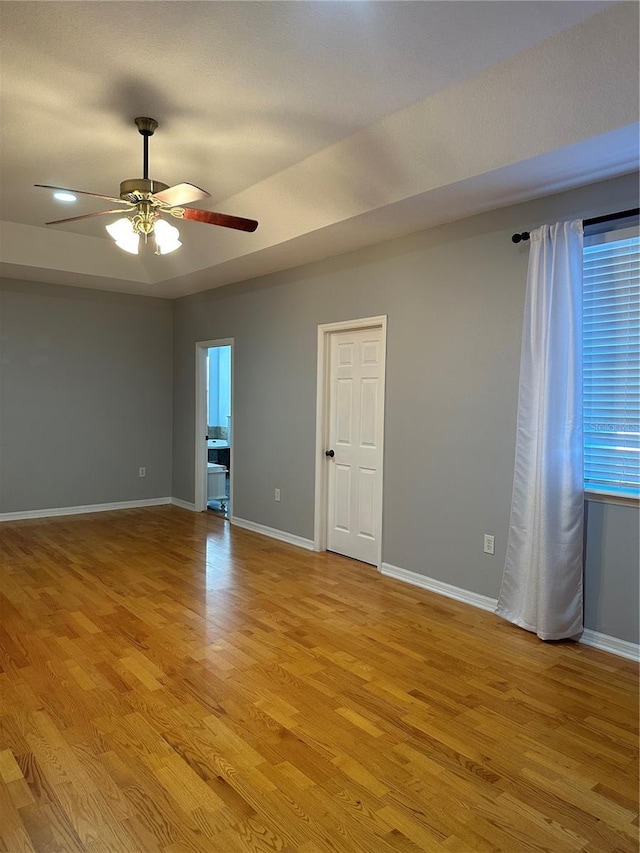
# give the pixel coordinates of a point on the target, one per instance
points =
(355, 410)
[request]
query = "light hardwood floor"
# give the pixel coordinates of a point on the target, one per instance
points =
(169, 683)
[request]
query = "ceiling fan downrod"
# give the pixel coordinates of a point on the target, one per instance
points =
(142, 187)
(146, 126)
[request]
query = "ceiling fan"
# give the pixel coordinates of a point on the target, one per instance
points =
(146, 201)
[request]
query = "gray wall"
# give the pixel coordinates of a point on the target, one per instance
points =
(612, 571)
(85, 396)
(454, 298)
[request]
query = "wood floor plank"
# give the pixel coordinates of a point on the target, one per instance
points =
(170, 683)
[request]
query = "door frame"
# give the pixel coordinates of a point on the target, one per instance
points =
(325, 331)
(200, 448)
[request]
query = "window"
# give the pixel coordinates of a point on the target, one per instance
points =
(611, 341)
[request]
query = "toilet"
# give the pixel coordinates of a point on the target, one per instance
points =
(216, 482)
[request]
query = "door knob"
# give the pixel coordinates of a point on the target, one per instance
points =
(329, 453)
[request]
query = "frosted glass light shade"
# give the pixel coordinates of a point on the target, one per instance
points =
(126, 238)
(167, 237)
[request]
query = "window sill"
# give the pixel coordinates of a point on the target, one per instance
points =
(619, 500)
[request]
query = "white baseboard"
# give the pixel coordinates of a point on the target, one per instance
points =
(613, 645)
(273, 533)
(81, 510)
(183, 504)
(456, 592)
(622, 648)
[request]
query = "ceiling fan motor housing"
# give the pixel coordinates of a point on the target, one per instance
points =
(141, 185)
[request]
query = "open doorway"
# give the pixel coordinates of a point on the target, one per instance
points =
(214, 471)
(218, 429)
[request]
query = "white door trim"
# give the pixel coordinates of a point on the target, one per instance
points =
(322, 397)
(200, 448)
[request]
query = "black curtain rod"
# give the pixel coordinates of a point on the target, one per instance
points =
(597, 220)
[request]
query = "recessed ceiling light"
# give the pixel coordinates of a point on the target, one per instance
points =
(65, 197)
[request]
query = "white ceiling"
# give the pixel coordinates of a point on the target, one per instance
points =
(335, 124)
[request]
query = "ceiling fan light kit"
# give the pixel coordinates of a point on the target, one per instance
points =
(147, 201)
(167, 237)
(123, 233)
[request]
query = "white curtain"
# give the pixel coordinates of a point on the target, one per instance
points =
(542, 584)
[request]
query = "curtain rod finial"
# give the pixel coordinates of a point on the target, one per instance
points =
(517, 238)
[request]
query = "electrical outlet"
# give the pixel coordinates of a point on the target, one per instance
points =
(276, 495)
(142, 472)
(489, 544)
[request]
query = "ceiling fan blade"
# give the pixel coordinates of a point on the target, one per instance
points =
(82, 192)
(88, 216)
(211, 218)
(180, 194)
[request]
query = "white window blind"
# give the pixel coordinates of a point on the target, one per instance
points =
(611, 384)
